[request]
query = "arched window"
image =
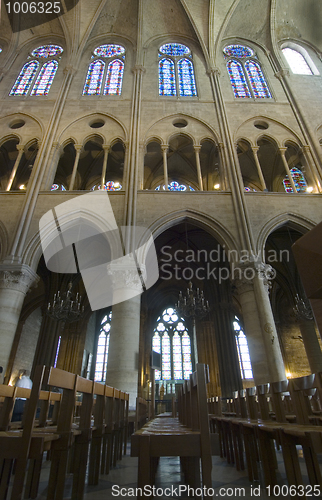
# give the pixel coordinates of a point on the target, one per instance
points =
(35, 70)
(175, 186)
(299, 181)
(102, 349)
(297, 62)
(108, 66)
(176, 73)
(243, 352)
(246, 76)
(171, 339)
(108, 186)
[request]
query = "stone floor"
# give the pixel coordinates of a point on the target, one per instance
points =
(121, 481)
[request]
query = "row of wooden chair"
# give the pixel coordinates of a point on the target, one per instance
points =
(89, 432)
(186, 436)
(286, 413)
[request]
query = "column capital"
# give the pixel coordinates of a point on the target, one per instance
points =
(164, 147)
(255, 149)
(213, 71)
(17, 277)
(78, 147)
(283, 150)
(244, 274)
(281, 74)
(197, 148)
(69, 70)
(138, 69)
(20, 147)
(106, 147)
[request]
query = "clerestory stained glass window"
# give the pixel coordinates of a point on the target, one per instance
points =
(176, 73)
(297, 62)
(237, 79)
(114, 78)
(299, 181)
(108, 186)
(94, 78)
(257, 80)
(45, 78)
(108, 67)
(102, 348)
(42, 74)
(171, 339)
(57, 187)
(243, 352)
(175, 186)
(246, 76)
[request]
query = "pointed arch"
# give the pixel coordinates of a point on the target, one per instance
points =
(237, 79)
(167, 79)
(186, 77)
(94, 78)
(45, 78)
(114, 78)
(257, 80)
(296, 61)
(25, 79)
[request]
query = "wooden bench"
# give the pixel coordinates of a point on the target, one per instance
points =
(169, 436)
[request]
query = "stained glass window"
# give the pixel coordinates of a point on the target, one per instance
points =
(102, 348)
(25, 78)
(299, 181)
(297, 62)
(237, 79)
(243, 352)
(109, 50)
(174, 49)
(45, 75)
(57, 187)
(175, 186)
(94, 78)
(246, 77)
(109, 186)
(239, 51)
(176, 73)
(47, 51)
(110, 71)
(167, 79)
(171, 339)
(187, 84)
(257, 80)
(114, 78)
(45, 78)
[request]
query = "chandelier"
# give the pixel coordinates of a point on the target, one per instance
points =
(302, 308)
(192, 305)
(65, 307)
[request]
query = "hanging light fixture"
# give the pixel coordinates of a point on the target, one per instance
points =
(65, 307)
(193, 305)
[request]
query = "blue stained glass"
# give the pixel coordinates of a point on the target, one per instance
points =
(174, 49)
(237, 79)
(94, 78)
(45, 78)
(25, 78)
(299, 181)
(109, 50)
(167, 79)
(57, 187)
(239, 51)
(47, 51)
(257, 80)
(187, 84)
(114, 78)
(175, 186)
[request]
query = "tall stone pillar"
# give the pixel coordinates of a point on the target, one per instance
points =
(123, 353)
(252, 281)
(312, 347)
(15, 281)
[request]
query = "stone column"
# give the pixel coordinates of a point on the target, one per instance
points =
(164, 149)
(252, 283)
(123, 354)
(78, 149)
(287, 169)
(259, 169)
(197, 151)
(15, 281)
(306, 150)
(106, 149)
(20, 148)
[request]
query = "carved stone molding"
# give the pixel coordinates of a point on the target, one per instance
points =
(243, 275)
(282, 73)
(17, 277)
